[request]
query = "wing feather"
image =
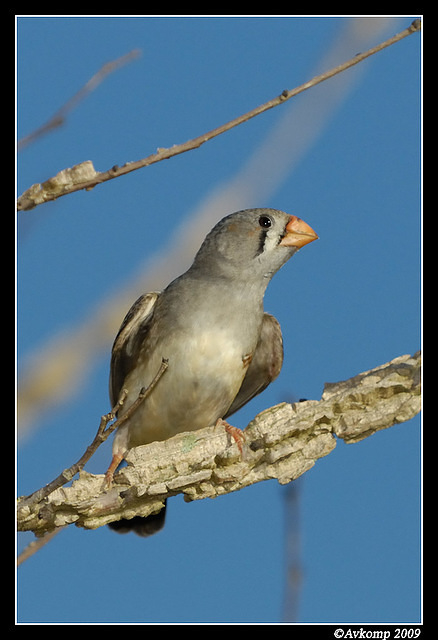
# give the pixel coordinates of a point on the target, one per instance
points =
(132, 332)
(265, 366)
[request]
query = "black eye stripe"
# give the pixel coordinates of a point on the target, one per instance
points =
(262, 238)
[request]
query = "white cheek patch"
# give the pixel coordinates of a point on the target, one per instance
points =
(271, 241)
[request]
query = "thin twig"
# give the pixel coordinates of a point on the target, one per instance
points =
(37, 544)
(54, 188)
(59, 117)
(102, 434)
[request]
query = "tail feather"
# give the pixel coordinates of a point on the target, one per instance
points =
(143, 527)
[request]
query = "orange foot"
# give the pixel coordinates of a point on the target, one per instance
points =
(237, 434)
(116, 460)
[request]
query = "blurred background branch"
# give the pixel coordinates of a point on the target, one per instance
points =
(345, 151)
(59, 117)
(84, 176)
(55, 371)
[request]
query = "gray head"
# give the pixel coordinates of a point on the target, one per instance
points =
(252, 244)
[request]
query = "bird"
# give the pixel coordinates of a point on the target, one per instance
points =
(221, 347)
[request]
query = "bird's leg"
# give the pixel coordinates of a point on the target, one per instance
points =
(116, 460)
(144, 392)
(237, 434)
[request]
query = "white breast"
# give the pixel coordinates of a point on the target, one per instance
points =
(203, 377)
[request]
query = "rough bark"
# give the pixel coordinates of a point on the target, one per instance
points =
(282, 442)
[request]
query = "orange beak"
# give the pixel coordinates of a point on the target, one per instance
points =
(298, 233)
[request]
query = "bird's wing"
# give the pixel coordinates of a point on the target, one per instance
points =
(265, 365)
(126, 346)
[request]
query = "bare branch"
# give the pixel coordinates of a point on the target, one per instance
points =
(59, 117)
(102, 434)
(84, 176)
(56, 369)
(282, 442)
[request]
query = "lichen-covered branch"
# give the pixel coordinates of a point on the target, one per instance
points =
(282, 442)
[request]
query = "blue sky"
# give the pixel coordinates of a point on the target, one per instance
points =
(345, 157)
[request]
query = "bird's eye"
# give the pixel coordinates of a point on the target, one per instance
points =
(265, 222)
